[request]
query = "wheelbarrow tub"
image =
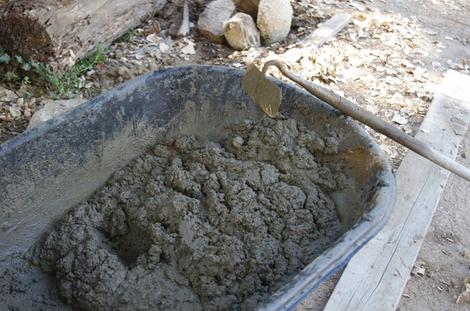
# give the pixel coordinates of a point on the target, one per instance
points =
(51, 168)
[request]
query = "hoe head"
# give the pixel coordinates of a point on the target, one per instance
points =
(264, 92)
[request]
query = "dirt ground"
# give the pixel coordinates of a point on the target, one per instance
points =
(442, 253)
(449, 18)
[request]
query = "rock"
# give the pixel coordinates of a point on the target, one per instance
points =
(274, 19)
(53, 108)
(211, 21)
(248, 6)
(241, 32)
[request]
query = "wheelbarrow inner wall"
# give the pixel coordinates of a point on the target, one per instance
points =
(49, 169)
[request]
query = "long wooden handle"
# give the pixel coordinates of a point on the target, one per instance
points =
(349, 108)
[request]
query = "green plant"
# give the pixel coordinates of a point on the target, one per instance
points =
(26, 81)
(126, 37)
(60, 84)
(11, 76)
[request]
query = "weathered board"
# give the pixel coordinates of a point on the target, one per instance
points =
(375, 277)
(61, 31)
(325, 32)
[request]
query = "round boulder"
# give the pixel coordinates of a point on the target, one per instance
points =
(274, 20)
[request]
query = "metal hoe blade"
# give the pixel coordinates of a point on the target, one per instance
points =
(265, 93)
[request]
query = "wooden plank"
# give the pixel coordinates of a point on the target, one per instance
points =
(376, 276)
(325, 32)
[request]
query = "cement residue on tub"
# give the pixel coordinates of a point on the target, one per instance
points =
(198, 225)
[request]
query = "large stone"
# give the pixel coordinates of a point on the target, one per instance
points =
(53, 108)
(211, 21)
(241, 32)
(274, 20)
(248, 6)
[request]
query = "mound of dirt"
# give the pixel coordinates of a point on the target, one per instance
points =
(198, 225)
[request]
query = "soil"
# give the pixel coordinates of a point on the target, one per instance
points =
(443, 256)
(196, 225)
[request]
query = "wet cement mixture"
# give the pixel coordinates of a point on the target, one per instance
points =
(200, 225)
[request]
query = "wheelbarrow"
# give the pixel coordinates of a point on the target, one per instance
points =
(53, 167)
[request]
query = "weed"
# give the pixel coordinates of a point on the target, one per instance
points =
(60, 84)
(11, 76)
(127, 37)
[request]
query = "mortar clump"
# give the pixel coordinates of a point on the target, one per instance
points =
(201, 225)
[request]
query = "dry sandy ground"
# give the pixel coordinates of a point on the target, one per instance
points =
(442, 251)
